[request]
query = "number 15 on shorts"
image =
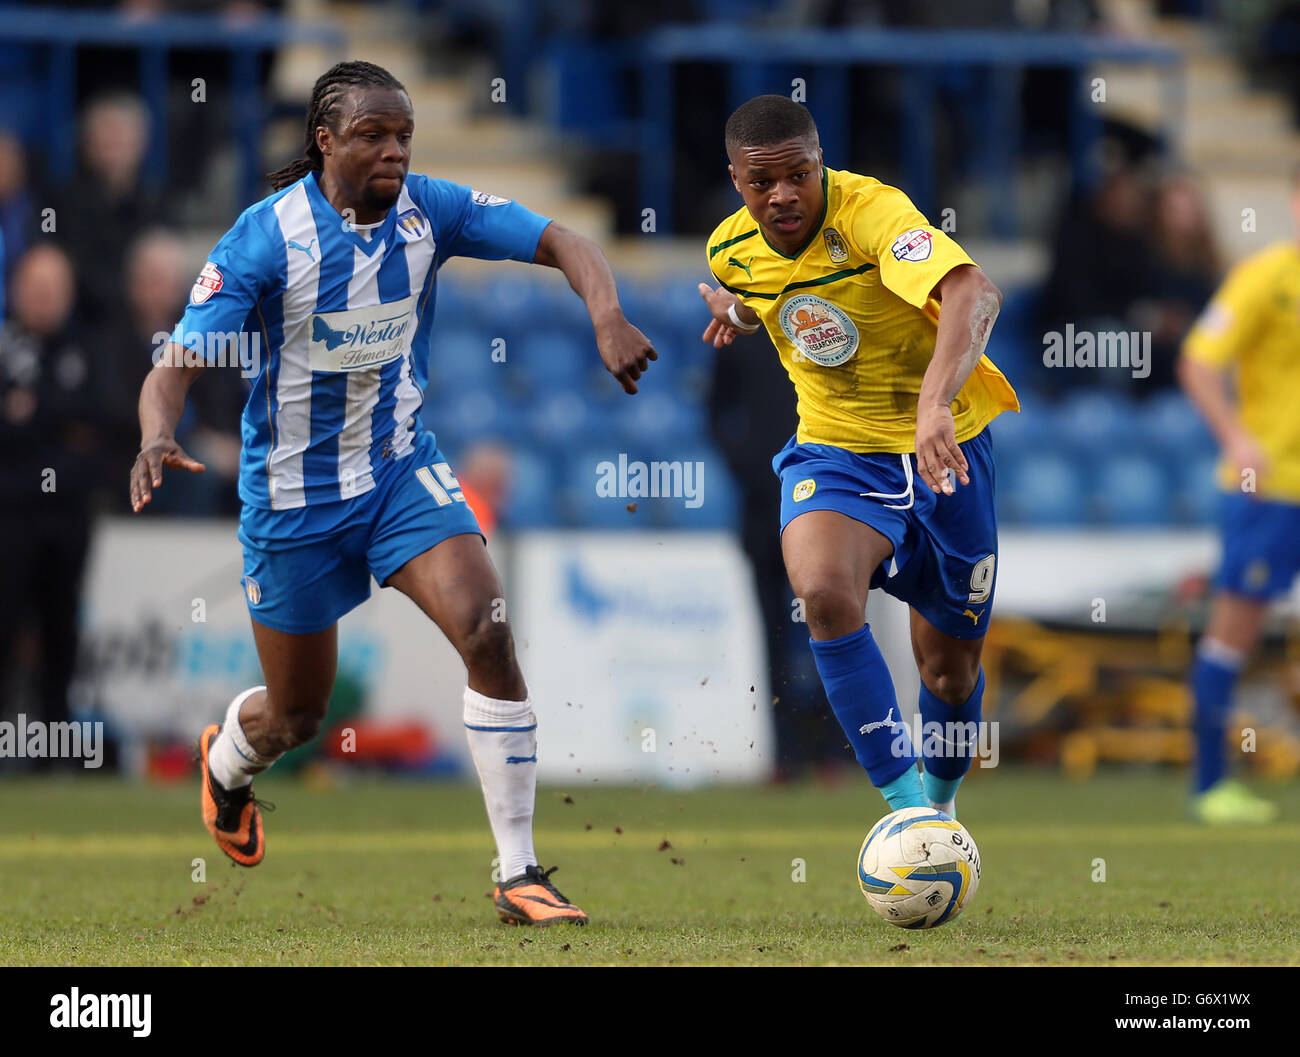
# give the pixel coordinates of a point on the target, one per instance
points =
(443, 487)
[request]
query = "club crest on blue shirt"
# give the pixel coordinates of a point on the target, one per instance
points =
(410, 222)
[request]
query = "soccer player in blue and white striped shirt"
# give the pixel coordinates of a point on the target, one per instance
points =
(333, 276)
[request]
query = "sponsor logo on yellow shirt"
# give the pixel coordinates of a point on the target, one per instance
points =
(818, 330)
(913, 245)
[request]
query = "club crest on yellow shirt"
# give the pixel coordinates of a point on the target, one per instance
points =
(818, 330)
(836, 248)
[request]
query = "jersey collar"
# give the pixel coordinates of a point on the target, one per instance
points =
(380, 236)
(812, 235)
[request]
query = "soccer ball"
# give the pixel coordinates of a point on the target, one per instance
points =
(918, 868)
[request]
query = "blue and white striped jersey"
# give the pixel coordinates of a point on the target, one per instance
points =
(342, 319)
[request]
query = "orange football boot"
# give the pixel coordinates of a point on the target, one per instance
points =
(231, 815)
(531, 899)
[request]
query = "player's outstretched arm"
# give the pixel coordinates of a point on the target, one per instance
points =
(970, 304)
(722, 330)
(624, 350)
(162, 402)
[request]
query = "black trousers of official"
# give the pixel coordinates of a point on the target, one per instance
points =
(43, 562)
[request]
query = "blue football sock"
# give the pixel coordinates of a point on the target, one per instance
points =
(1214, 673)
(861, 693)
(948, 759)
(904, 791)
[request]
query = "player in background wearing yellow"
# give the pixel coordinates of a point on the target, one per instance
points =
(881, 322)
(1241, 367)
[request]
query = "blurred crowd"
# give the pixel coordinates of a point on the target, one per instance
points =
(1136, 254)
(96, 276)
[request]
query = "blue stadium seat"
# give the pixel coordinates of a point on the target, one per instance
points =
(1171, 424)
(717, 508)
(655, 418)
(1094, 420)
(1135, 490)
(1043, 489)
(452, 302)
(473, 414)
(585, 507)
(461, 358)
(719, 497)
(532, 500)
(509, 294)
(561, 419)
(1031, 429)
(1198, 492)
(551, 359)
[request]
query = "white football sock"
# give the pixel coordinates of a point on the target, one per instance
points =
(231, 759)
(503, 741)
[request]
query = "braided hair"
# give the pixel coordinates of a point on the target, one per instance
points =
(326, 97)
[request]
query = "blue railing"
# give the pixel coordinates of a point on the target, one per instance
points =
(758, 61)
(57, 34)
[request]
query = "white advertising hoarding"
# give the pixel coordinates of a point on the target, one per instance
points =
(645, 657)
(617, 634)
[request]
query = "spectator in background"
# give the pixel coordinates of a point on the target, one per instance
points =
(1102, 269)
(1137, 256)
(485, 473)
(100, 215)
(156, 288)
(16, 215)
(157, 285)
(1188, 268)
(51, 435)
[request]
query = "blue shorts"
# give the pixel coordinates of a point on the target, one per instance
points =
(306, 568)
(1261, 546)
(945, 547)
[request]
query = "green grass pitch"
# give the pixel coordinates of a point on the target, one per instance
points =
(98, 871)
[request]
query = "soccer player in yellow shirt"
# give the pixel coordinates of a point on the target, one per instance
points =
(881, 321)
(1241, 367)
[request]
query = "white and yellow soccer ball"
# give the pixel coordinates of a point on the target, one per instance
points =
(918, 868)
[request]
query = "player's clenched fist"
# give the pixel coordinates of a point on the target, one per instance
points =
(723, 330)
(146, 474)
(625, 351)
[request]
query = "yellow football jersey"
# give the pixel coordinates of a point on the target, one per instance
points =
(852, 317)
(1251, 327)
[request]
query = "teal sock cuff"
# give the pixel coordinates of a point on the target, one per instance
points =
(939, 790)
(904, 791)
